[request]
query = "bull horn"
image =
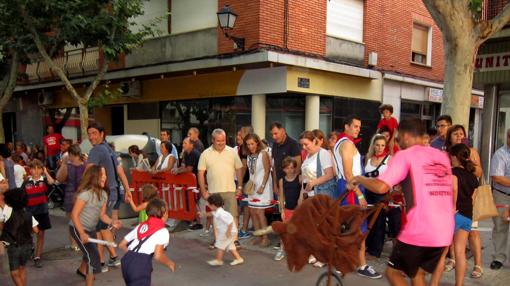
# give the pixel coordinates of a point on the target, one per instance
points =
(264, 231)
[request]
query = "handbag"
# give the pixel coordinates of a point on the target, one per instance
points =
(483, 202)
(248, 188)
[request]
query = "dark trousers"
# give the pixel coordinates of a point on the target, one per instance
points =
(375, 239)
(136, 268)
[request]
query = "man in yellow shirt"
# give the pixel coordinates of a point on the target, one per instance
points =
(220, 164)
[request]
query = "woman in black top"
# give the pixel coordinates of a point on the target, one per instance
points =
(464, 185)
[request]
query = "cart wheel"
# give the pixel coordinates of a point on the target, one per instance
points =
(334, 281)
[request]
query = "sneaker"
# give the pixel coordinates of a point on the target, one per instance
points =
(205, 233)
(215, 262)
(243, 235)
(104, 268)
(277, 246)
(312, 260)
(237, 261)
(113, 262)
(319, 264)
(211, 245)
(37, 262)
(368, 272)
(195, 226)
(237, 244)
(279, 255)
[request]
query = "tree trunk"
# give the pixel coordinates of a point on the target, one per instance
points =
(458, 79)
(2, 134)
(84, 119)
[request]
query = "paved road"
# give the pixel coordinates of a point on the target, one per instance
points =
(190, 253)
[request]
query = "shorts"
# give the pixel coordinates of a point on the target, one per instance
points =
(18, 255)
(225, 244)
(114, 199)
(288, 214)
(462, 222)
(43, 220)
(89, 250)
(243, 203)
(408, 258)
(229, 202)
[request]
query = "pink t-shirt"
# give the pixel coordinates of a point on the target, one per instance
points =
(426, 179)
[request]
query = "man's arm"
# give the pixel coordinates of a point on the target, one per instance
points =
(501, 180)
(201, 184)
(124, 181)
(372, 184)
(239, 173)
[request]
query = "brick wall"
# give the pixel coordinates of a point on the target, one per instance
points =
(494, 7)
(262, 22)
(388, 29)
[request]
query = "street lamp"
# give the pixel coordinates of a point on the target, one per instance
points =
(227, 20)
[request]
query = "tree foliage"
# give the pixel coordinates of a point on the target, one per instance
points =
(106, 24)
(464, 30)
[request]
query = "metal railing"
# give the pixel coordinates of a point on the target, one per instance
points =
(74, 63)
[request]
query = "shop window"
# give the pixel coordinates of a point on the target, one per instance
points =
(207, 114)
(287, 109)
(326, 115)
(421, 45)
(367, 110)
(345, 19)
(139, 111)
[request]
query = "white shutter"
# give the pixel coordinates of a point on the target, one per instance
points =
(345, 19)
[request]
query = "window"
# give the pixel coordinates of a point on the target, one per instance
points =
(345, 19)
(289, 110)
(421, 45)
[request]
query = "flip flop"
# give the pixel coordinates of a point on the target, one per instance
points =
(477, 272)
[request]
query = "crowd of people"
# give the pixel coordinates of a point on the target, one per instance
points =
(431, 179)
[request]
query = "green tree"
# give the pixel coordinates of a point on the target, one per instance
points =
(106, 24)
(13, 44)
(464, 30)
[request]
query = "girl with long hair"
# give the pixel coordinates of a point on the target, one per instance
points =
(89, 208)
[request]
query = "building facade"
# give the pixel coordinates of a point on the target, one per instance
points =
(307, 64)
(408, 46)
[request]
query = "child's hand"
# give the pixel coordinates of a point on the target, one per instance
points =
(260, 191)
(117, 224)
(84, 237)
(171, 266)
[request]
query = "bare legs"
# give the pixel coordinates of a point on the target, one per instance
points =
(459, 244)
(19, 276)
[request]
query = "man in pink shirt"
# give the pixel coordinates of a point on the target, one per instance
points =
(425, 176)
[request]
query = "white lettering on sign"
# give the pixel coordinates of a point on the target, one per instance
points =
(492, 62)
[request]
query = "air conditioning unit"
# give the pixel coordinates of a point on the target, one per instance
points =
(372, 59)
(130, 89)
(45, 98)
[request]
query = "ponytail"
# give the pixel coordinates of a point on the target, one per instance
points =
(463, 154)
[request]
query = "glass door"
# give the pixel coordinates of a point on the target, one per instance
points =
(503, 120)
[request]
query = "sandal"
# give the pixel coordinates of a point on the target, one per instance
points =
(449, 266)
(477, 272)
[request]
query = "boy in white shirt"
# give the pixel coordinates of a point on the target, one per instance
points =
(147, 239)
(19, 171)
(225, 232)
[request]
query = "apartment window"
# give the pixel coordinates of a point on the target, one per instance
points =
(421, 45)
(345, 19)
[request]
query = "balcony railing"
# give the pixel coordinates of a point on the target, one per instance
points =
(74, 63)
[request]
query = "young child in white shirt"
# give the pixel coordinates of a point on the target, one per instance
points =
(225, 232)
(148, 239)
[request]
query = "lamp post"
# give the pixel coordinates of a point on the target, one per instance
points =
(227, 20)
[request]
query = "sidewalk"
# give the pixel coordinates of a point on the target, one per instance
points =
(190, 252)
